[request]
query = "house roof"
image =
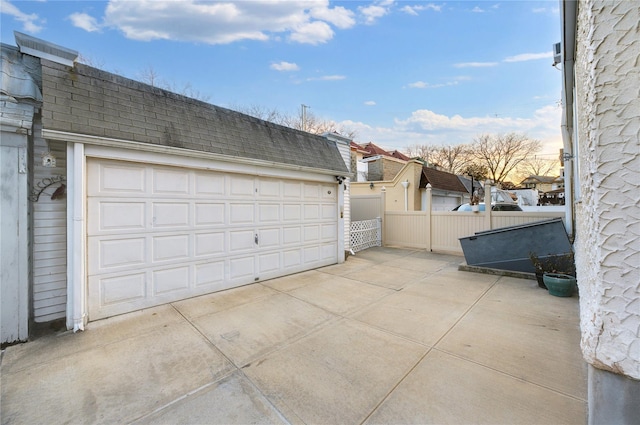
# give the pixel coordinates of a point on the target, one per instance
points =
(86, 100)
(374, 149)
(400, 155)
(441, 180)
(539, 179)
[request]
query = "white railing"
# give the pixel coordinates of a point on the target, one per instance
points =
(365, 234)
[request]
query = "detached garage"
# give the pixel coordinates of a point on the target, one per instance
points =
(167, 197)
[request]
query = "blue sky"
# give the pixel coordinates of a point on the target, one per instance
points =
(398, 73)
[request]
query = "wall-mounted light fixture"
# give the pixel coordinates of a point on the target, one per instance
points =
(371, 185)
(339, 179)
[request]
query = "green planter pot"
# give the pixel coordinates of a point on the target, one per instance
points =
(560, 285)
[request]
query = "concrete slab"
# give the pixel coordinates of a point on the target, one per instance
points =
(98, 334)
(340, 295)
(444, 389)
(220, 301)
(351, 264)
(251, 330)
(422, 265)
(336, 375)
(385, 276)
(383, 254)
(232, 400)
(537, 348)
(442, 286)
(421, 319)
(113, 383)
(298, 280)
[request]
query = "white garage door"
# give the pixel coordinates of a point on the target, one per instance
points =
(158, 234)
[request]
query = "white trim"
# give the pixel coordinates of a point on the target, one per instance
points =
(76, 237)
(148, 147)
(171, 159)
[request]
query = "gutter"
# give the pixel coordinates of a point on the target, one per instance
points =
(568, 14)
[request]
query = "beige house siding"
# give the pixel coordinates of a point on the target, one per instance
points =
(394, 191)
(607, 228)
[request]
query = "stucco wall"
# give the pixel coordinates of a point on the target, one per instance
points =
(608, 215)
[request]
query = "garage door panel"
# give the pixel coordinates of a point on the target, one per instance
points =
(328, 252)
(210, 244)
(269, 238)
(209, 214)
(292, 258)
(329, 231)
(311, 233)
(118, 253)
(329, 212)
(311, 255)
(117, 216)
(241, 240)
(311, 191)
(170, 280)
(242, 268)
(292, 212)
(241, 186)
(170, 214)
(172, 247)
(268, 213)
(292, 190)
(329, 193)
(292, 235)
(208, 274)
(269, 189)
(122, 289)
(311, 212)
(268, 264)
(171, 182)
(241, 213)
(116, 179)
(210, 183)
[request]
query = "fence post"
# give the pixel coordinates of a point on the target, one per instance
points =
(487, 205)
(383, 220)
(428, 216)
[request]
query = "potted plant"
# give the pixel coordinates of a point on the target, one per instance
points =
(555, 272)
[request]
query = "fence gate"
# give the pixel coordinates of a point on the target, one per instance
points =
(365, 234)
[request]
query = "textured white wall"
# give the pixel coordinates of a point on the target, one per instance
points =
(608, 216)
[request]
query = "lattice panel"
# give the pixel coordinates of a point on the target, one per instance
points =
(365, 234)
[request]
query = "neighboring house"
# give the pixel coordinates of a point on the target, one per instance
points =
(540, 183)
(375, 163)
(406, 191)
(118, 196)
(601, 124)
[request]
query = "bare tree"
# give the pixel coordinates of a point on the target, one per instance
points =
(312, 123)
(537, 166)
(502, 153)
(150, 76)
(452, 159)
(420, 151)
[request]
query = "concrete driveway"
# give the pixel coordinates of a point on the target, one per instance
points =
(390, 336)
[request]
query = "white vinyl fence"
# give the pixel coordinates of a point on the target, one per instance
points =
(365, 234)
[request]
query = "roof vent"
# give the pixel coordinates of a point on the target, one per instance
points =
(45, 50)
(557, 53)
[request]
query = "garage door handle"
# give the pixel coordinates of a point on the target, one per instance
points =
(256, 239)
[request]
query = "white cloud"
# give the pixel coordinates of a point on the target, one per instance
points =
(284, 66)
(477, 10)
(370, 103)
(85, 22)
(529, 57)
(475, 64)
(375, 11)
(539, 10)
(423, 85)
(30, 22)
(338, 16)
(426, 126)
(223, 22)
(413, 10)
(312, 33)
(327, 78)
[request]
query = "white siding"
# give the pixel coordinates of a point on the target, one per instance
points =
(345, 152)
(49, 237)
(607, 229)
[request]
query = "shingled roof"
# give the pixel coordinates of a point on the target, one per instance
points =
(441, 180)
(86, 100)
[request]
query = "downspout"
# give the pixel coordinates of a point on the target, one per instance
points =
(405, 184)
(568, 18)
